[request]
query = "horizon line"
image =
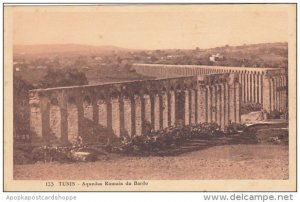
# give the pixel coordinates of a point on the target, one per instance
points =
(82, 44)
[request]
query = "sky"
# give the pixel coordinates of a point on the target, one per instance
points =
(151, 27)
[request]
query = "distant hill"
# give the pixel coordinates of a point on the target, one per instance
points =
(273, 55)
(42, 49)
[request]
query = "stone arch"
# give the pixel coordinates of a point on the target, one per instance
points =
(126, 95)
(178, 87)
(145, 91)
(114, 94)
(101, 98)
(191, 85)
(87, 107)
(164, 89)
(185, 86)
(87, 99)
(71, 100)
(54, 101)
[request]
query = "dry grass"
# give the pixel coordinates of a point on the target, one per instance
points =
(219, 162)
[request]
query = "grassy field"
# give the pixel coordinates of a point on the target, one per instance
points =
(252, 161)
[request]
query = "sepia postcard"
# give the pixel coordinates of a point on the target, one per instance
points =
(150, 97)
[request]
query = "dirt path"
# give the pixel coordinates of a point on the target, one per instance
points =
(219, 162)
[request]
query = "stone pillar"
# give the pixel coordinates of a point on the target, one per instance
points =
(39, 116)
(279, 86)
(202, 105)
(192, 102)
(72, 122)
(186, 108)
(80, 118)
(156, 112)
(102, 113)
(232, 104)
(164, 110)
(36, 120)
(127, 116)
(222, 105)
(282, 94)
(115, 116)
(44, 105)
(172, 108)
(285, 93)
(254, 87)
(218, 104)
(243, 85)
(64, 121)
(248, 87)
(284, 88)
(275, 92)
(266, 93)
(260, 88)
(237, 102)
(55, 120)
(272, 89)
(278, 92)
(209, 104)
(146, 111)
(226, 104)
(213, 103)
(138, 115)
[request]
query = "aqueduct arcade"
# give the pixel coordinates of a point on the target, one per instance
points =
(267, 86)
(130, 108)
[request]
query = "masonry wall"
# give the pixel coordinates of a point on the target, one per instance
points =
(266, 86)
(128, 109)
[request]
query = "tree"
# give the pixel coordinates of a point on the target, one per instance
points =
(21, 105)
(63, 77)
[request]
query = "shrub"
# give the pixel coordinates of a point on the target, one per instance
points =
(49, 153)
(165, 139)
(237, 128)
(274, 114)
(250, 107)
(234, 128)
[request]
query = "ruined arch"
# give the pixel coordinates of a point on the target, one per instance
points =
(87, 107)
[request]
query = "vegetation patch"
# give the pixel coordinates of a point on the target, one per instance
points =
(275, 114)
(247, 107)
(156, 141)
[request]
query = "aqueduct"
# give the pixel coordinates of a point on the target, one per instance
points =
(128, 108)
(181, 95)
(267, 86)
